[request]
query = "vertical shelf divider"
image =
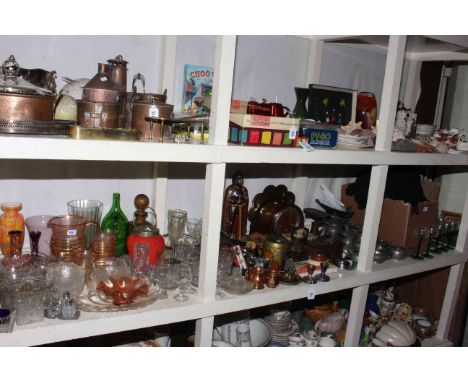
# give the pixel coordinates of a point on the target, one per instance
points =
(160, 169)
(390, 94)
(214, 181)
(454, 281)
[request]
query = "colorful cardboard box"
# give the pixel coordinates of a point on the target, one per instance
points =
(260, 130)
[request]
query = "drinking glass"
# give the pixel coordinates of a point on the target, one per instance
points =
(141, 259)
(176, 220)
(194, 229)
(182, 282)
(89, 209)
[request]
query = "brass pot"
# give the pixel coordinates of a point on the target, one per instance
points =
(26, 107)
(98, 115)
(140, 110)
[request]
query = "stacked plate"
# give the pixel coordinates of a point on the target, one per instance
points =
(281, 327)
(352, 142)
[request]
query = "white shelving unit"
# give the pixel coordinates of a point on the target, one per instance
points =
(216, 155)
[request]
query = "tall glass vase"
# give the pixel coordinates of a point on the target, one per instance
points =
(115, 220)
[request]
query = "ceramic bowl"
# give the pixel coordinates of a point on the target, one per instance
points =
(260, 333)
(66, 277)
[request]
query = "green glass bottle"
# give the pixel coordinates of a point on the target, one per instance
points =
(116, 220)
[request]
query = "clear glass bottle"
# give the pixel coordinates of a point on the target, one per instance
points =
(116, 220)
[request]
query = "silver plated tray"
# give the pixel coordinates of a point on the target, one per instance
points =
(54, 128)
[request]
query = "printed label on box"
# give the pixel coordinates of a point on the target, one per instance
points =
(260, 120)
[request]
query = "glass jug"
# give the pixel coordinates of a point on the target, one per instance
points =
(68, 236)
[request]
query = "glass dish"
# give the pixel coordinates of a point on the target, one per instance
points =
(27, 297)
(66, 277)
(99, 302)
(237, 285)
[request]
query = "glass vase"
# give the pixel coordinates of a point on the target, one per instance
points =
(11, 220)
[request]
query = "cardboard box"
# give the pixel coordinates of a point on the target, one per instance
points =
(238, 106)
(260, 130)
(397, 224)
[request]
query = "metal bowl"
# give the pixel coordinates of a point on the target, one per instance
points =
(380, 256)
(398, 253)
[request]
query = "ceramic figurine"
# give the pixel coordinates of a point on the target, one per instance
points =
(235, 204)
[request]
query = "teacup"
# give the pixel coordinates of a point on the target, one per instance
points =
(296, 340)
(311, 338)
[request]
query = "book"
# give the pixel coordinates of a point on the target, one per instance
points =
(197, 88)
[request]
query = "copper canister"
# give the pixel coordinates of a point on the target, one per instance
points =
(98, 115)
(118, 72)
(140, 110)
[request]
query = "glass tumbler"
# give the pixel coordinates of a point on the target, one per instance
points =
(89, 209)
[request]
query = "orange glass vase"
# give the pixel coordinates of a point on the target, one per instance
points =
(11, 220)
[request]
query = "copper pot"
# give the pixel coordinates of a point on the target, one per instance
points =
(140, 110)
(19, 99)
(25, 107)
(100, 95)
(129, 98)
(98, 115)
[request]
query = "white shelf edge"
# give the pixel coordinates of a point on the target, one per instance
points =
(93, 324)
(168, 311)
(348, 280)
(436, 342)
(94, 150)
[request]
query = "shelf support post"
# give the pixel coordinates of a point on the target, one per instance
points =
(390, 91)
(372, 217)
(356, 312)
(160, 169)
(454, 281)
(225, 56)
(204, 331)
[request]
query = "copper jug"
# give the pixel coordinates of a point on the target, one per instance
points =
(68, 239)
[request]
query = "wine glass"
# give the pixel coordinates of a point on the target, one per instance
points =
(420, 233)
(194, 229)
(433, 234)
(183, 280)
(427, 236)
